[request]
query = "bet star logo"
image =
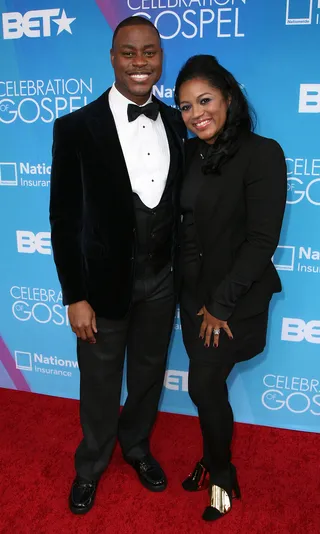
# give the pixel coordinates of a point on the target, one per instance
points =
(35, 24)
(64, 23)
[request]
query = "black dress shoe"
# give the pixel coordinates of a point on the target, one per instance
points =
(82, 495)
(149, 472)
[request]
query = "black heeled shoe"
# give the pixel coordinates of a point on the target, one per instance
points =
(221, 499)
(198, 479)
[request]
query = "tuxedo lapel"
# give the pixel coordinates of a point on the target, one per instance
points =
(176, 144)
(173, 149)
(103, 129)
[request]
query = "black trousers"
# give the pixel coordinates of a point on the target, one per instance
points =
(145, 334)
(208, 371)
(209, 392)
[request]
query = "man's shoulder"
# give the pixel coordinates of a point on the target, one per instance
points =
(174, 116)
(75, 118)
(170, 110)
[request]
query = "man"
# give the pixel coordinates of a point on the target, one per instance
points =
(115, 175)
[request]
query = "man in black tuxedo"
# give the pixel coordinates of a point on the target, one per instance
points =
(113, 213)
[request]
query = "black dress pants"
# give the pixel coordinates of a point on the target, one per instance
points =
(208, 371)
(209, 392)
(145, 334)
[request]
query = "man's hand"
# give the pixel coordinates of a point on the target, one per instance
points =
(83, 321)
(211, 325)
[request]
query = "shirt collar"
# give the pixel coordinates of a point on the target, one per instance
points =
(119, 103)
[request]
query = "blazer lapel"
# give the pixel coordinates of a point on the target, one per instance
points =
(103, 129)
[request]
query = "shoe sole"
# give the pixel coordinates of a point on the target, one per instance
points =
(193, 489)
(81, 511)
(150, 487)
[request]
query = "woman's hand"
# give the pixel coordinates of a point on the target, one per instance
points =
(211, 324)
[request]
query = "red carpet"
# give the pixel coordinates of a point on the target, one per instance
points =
(279, 474)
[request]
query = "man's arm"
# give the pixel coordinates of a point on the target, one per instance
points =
(66, 213)
(66, 204)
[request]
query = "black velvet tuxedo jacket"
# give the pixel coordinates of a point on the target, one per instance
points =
(91, 207)
(238, 216)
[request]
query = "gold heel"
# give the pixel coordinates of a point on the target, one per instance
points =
(220, 504)
(221, 499)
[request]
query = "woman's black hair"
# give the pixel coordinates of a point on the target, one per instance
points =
(240, 118)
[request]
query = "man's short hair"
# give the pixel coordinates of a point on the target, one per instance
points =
(133, 21)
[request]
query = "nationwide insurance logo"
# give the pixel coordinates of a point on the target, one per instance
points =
(47, 365)
(36, 23)
(302, 12)
(297, 259)
(24, 174)
(175, 380)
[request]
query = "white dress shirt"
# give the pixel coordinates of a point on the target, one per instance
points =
(145, 148)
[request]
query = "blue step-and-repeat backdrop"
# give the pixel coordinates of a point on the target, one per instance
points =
(54, 57)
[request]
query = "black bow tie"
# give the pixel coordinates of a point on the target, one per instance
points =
(150, 110)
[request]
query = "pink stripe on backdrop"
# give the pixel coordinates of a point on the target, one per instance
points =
(114, 11)
(10, 366)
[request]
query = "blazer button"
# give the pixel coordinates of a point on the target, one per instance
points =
(200, 254)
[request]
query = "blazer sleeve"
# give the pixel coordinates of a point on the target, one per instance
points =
(66, 212)
(266, 191)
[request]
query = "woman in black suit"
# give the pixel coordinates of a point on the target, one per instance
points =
(232, 204)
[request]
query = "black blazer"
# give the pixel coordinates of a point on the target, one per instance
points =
(238, 216)
(91, 207)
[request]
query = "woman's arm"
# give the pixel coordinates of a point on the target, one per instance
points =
(266, 191)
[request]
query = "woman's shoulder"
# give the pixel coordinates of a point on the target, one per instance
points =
(262, 144)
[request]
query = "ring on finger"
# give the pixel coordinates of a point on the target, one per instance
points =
(216, 331)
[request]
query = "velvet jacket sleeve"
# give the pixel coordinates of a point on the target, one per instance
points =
(66, 212)
(265, 194)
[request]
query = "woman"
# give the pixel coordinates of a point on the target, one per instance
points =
(232, 204)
